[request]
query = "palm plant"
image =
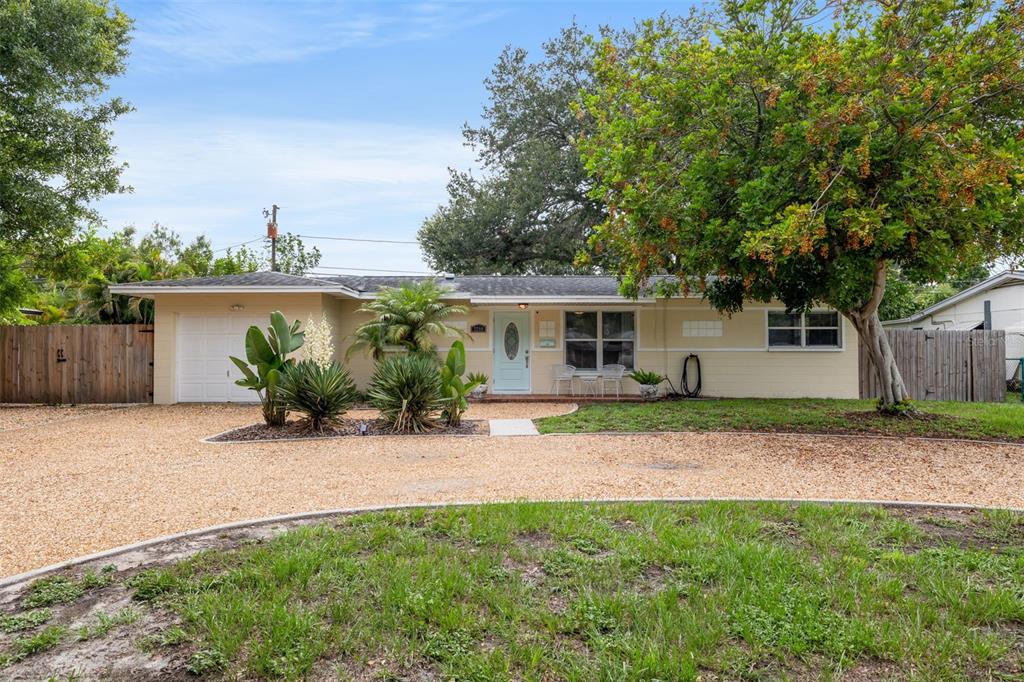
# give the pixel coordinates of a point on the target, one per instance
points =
(406, 316)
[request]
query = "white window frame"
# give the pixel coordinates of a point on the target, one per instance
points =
(803, 347)
(599, 341)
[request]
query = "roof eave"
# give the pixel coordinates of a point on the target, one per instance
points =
(129, 290)
(990, 283)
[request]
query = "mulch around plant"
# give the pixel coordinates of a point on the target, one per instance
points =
(298, 429)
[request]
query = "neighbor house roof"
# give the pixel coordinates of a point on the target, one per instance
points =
(1004, 278)
(476, 288)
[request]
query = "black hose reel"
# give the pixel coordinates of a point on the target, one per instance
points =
(684, 382)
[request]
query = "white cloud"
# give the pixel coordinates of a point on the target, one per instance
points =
(349, 179)
(238, 33)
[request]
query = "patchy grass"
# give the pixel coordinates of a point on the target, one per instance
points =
(985, 421)
(105, 622)
(610, 591)
(61, 589)
(28, 645)
(24, 621)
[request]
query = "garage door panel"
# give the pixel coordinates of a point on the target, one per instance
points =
(205, 373)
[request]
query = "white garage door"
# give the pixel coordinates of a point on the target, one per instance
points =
(205, 374)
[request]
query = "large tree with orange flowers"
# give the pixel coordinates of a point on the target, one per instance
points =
(796, 151)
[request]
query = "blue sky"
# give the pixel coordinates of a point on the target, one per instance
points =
(347, 115)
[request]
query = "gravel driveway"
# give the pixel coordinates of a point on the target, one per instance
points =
(86, 480)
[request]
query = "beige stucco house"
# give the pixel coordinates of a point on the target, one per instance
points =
(519, 328)
(997, 302)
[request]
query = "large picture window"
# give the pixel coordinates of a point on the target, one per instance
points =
(596, 338)
(815, 329)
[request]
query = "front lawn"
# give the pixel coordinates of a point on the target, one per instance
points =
(997, 421)
(569, 592)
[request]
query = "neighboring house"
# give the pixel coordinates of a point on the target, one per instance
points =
(996, 303)
(521, 327)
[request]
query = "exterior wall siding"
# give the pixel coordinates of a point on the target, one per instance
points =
(169, 306)
(735, 364)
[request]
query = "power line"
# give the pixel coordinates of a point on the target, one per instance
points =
(357, 239)
(405, 272)
(234, 246)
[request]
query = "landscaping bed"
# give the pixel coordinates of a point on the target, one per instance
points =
(1002, 422)
(568, 591)
(343, 427)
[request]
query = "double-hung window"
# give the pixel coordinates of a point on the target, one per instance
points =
(596, 338)
(814, 329)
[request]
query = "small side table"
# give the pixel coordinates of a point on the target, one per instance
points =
(589, 384)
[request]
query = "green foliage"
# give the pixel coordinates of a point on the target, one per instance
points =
(903, 408)
(57, 58)
(646, 378)
(407, 391)
(320, 392)
(903, 297)
(293, 258)
(652, 591)
(406, 317)
(105, 622)
(531, 212)
(269, 355)
(44, 640)
(17, 622)
(478, 378)
(151, 584)
(62, 589)
(206, 661)
(991, 421)
(766, 155)
(453, 388)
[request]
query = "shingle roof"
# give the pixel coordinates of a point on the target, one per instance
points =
(470, 286)
(497, 285)
(249, 279)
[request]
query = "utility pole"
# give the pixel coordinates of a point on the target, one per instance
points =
(272, 234)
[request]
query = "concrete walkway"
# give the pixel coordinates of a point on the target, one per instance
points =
(513, 427)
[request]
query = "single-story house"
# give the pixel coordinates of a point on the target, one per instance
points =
(520, 328)
(996, 303)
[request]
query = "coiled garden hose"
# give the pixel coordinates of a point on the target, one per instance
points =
(684, 382)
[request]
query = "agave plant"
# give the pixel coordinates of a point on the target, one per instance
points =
(407, 391)
(321, 392)
(406, 316)
(453, 388)
(269, 355)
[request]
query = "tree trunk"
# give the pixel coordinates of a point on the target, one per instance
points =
(894, 398)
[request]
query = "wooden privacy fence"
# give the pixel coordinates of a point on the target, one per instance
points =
(965, 366)
(100, 363)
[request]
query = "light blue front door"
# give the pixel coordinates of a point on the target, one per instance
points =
(511, 352)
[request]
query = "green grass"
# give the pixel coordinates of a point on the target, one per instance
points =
(1000, 421)
(611, 592)
(60, 589)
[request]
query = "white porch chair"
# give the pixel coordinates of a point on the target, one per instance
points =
(612, 374)
(560, 373)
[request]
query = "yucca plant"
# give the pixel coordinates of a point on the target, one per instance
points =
(407, 391)
(320, 392)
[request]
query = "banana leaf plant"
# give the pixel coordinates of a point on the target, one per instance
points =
(454, 388)
(268, 356)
